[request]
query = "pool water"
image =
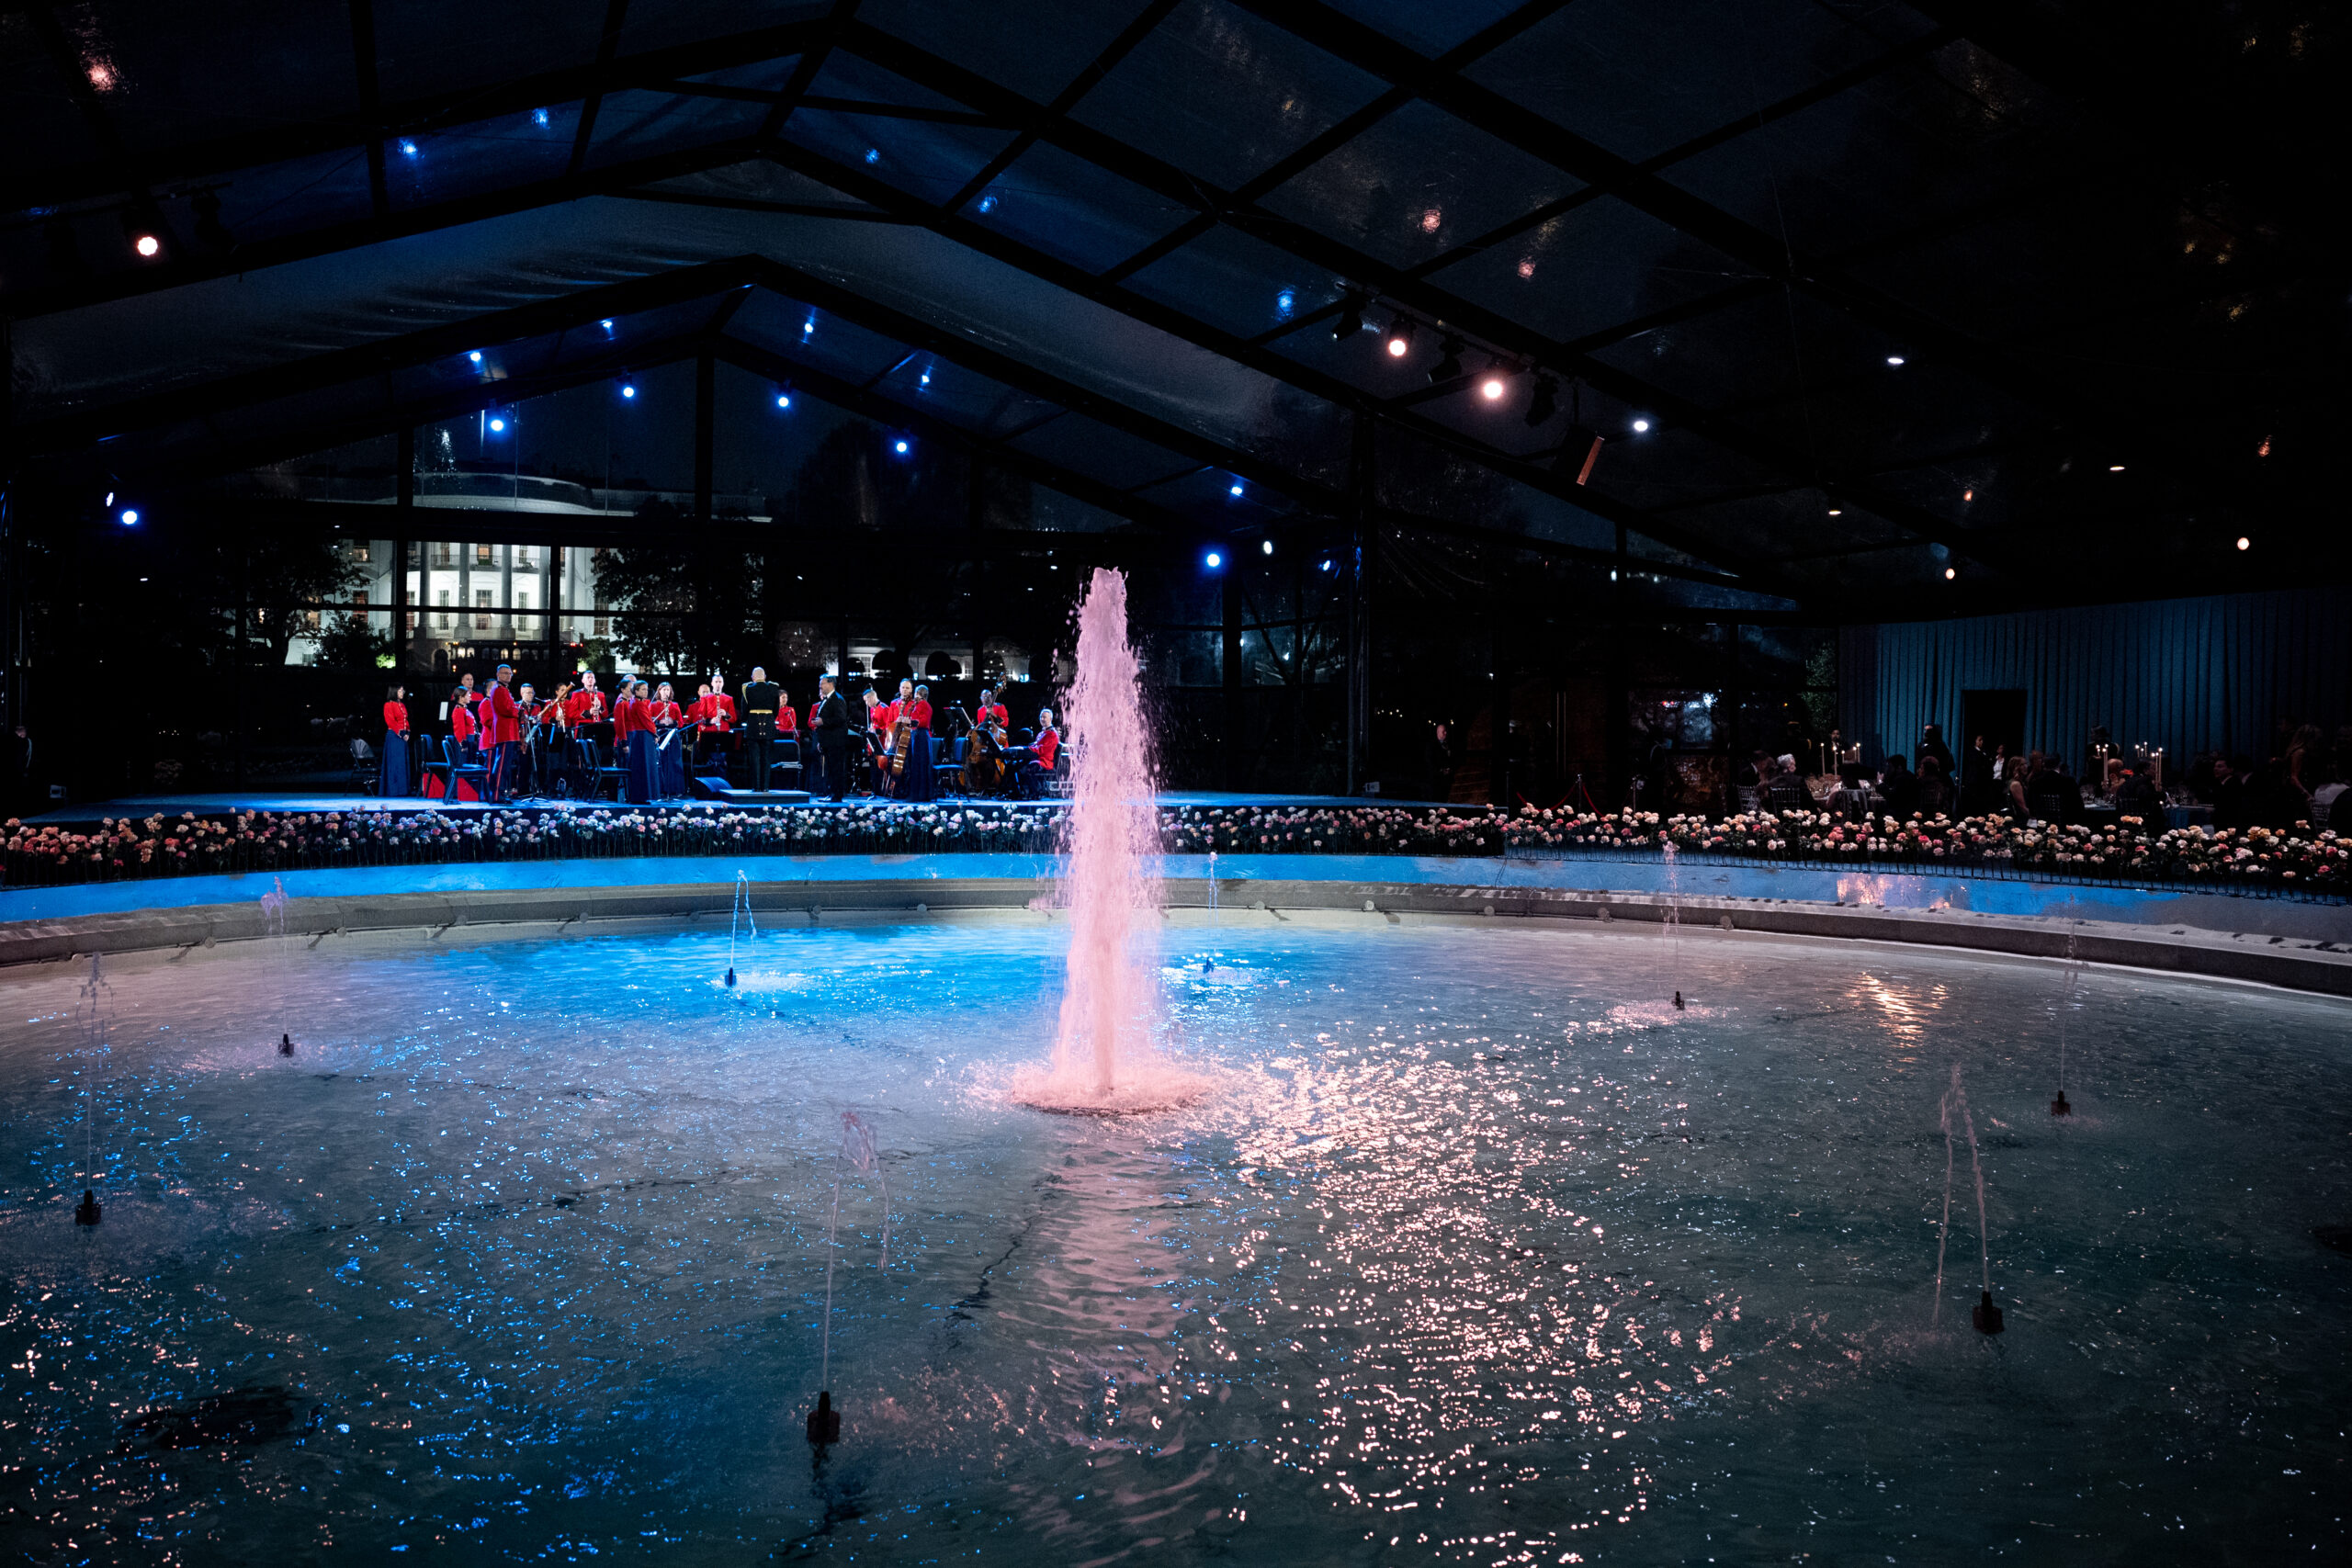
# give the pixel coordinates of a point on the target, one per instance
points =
(1476, 1252)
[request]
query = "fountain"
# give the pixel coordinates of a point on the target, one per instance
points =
(2058, 1107)
(737, 916)
(1984, 1316)
(1104, 1061)
(857, 1149)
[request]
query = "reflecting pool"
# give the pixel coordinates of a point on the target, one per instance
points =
(1476, 1252)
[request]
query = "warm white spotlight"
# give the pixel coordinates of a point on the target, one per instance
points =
(1265, 546)
(1895, 360)
(1641, 427)
(147, 245)
(1950, 572)
(2244, 543)
(1491, 388)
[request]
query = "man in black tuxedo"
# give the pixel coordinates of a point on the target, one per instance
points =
(760, 699)
(830, 724)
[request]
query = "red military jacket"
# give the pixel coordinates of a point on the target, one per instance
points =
(1049, 745)
(584, 706)
(462, 723)
(655, 712)
(718, 712)
(396, 717)
(505, 721)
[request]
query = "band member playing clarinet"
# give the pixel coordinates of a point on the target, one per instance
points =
(669, 745)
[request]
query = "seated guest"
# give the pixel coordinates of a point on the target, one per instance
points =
(2136, 794)
(2228, 790)
(2053, 795)
(1936, 796)
(1931, 744)
(1901, 786)
(2017, 772)
(1784, 789)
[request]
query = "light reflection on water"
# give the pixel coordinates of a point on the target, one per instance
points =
(1477, 1247)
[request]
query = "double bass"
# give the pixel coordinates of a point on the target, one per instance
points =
(985, 769)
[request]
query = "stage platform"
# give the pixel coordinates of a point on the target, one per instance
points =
(140, 806)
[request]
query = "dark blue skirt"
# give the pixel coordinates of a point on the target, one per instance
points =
(639, 768)
(917, 782)
(392, 767)
(671, 771)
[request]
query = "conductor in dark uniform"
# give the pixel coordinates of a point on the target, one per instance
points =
(831, 724)
(760, 699)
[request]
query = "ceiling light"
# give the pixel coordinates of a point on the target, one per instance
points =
(628, 389)
(1212, 560)
(538, 116)
(130, 517)
(408, 148)
(1836, 511)
(606, 324)
(1400, 337)
(1493, 385)
(1324, 566)
(498, 424)
(475, 357)
(1968, 495)
(2244, 543)
(987, 203)
(1234, 489)
(1895, 360)
(1265, 546)
(2115, 468)
(783, 398)
(899, 446)
(1286, 302)
(1641, 427)
(1950, 572)
(147, 245)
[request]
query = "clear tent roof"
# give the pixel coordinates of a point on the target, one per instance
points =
(1861, 297)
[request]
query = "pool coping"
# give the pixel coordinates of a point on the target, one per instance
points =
(2296, 962)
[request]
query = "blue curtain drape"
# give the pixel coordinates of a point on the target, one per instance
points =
(2185, 674)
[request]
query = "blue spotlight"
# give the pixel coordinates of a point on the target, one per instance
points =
(408, 148)
(130, 517)
(1212, 560)
(1265, 546)
(475, 357)
(1324, 566)
(987, 203)
(1286, 302)
(926, 374)
(539, 117)
(783, 398)
(873, 154)
(628, 389)
(606, 324)
(1641, 427)
(900, 446)
(498, 426)
(1233, 489)
(809, 325)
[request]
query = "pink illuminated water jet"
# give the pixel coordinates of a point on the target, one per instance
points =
(1105, 1059)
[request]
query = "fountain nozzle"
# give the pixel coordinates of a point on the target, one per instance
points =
(1678, 1002)
(89, 1210)
(731, 976)
(1988, 1318)
(285, 1044)
(2058, 1107)
(824, 1422)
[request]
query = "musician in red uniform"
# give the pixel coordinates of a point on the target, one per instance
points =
(392, 772)
(1036, 761)
(633, 735)
(464, 724)
(669, 744)
(988, 714)
(502, 735)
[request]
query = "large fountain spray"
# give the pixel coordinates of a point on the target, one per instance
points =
(1104, 1056)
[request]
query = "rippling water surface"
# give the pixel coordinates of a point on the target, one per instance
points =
(1477, 1254)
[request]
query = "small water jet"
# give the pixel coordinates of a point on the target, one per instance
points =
(285, 1044)
(1984, 1316)
(89, 1211)
(2058, 1107)
(856, 1150)
(738, 916)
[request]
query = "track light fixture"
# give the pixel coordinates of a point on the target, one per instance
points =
(1400, 337)
(1545, 403)
(209, 230)
(1351, 320)
(1449, 365)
